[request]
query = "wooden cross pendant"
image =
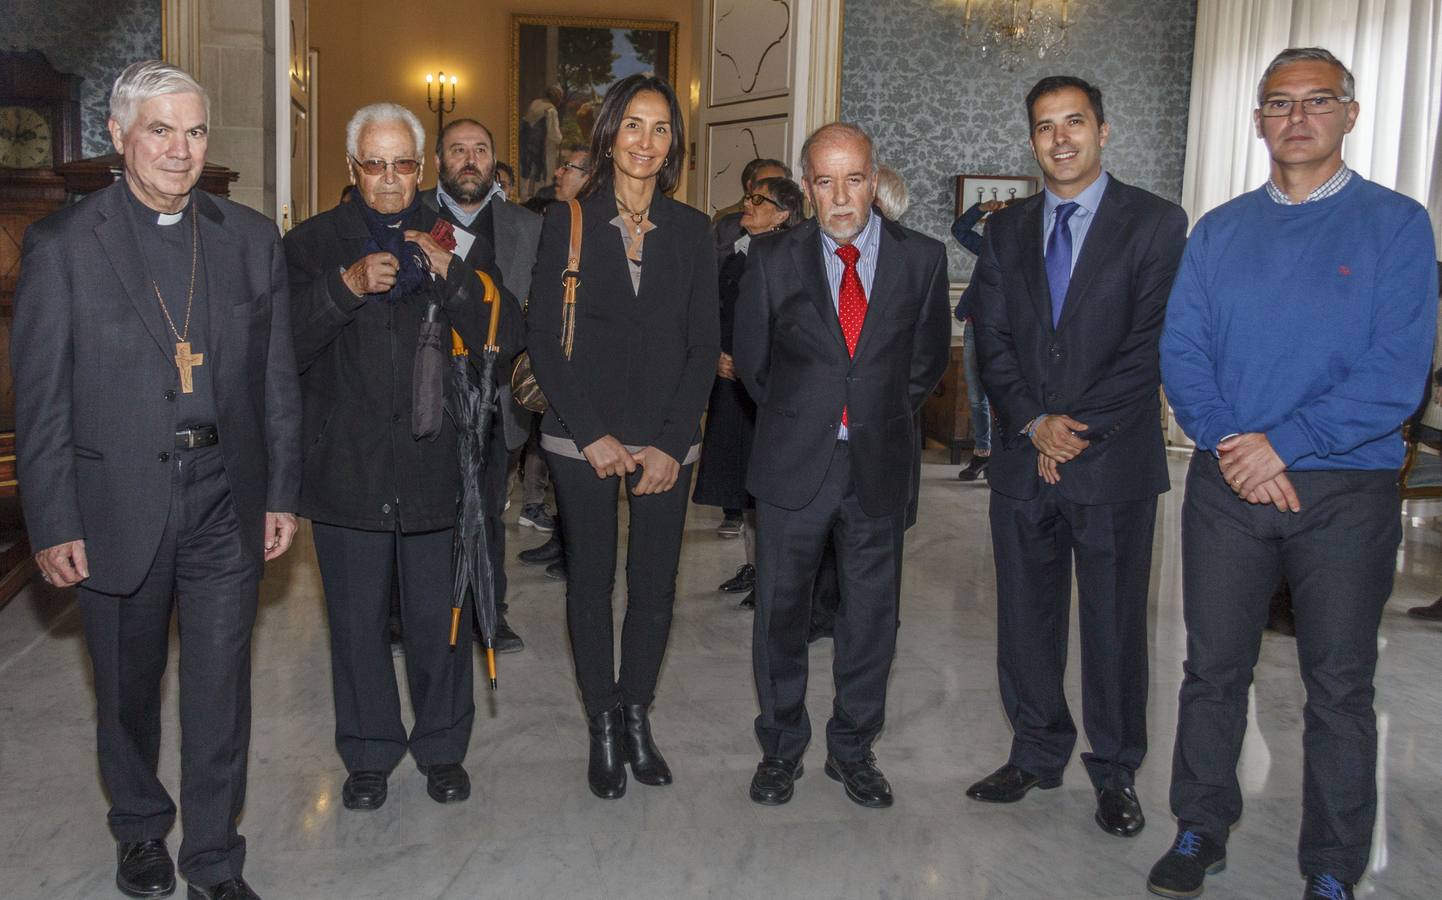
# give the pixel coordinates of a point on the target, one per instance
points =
(185, 361)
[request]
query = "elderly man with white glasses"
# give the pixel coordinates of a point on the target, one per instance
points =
(382, 502)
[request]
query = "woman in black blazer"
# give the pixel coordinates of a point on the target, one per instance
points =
(625, 407)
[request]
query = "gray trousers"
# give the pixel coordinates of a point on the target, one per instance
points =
(1338, 555)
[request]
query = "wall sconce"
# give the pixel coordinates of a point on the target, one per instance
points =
(439, 107)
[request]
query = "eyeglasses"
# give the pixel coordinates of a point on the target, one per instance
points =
(582, 169)
(402, 166)
(1324, 105)
(758, 199)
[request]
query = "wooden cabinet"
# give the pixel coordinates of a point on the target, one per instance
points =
(946, 415)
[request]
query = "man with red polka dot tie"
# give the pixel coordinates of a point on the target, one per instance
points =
(841, 332)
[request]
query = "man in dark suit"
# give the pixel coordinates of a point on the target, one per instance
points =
(1071, 292)
(841, 332)
(489, 232)
(158, 441)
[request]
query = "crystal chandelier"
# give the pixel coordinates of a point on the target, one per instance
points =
(1016, 30)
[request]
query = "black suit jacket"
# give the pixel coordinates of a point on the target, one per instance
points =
(792, 357)
(1099, 364)
(642, 364)
(357, 362)
(95, 378)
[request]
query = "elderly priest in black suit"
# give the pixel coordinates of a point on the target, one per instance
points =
(158, 431)
(841, 332)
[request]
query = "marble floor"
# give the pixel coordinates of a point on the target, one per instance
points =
(532, 830)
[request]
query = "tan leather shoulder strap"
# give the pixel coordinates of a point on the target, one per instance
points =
(570, 280)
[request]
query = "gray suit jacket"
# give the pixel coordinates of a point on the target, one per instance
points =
(518, 234)
(95, 381)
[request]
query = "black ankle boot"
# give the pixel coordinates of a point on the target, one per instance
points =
(646, 761)
(607, 772)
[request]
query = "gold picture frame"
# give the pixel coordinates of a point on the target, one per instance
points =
(580, 56)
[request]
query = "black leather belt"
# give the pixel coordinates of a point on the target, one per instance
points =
(199, 436)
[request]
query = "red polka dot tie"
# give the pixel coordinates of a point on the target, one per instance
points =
(851, 303)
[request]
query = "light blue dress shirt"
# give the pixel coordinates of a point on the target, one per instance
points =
(1081, 220)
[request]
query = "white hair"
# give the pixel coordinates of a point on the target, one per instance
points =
(146, 80)
(891, 194)
(377, 113)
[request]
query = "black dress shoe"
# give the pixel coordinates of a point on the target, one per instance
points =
(557, 570)
(1009, 784)
(863, 781)
(748, 602)
(1431, 612)
(607, 770)
(507, 641)
(546, 553)
(1182, 870)
(743, 580)
(1326, 887)
(234, 889)
(775, 780)
(144, 869)
(1119, 812)
(364, 790)
(646, 761)
(974, 469)
(447, 782)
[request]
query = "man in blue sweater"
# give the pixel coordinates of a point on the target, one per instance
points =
(1298, 338)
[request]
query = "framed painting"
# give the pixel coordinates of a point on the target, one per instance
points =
(561, 68)
(978, 188)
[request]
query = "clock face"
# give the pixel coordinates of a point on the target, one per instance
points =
(24, 139)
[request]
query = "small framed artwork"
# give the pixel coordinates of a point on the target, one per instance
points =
(561, 68)
(981, 188)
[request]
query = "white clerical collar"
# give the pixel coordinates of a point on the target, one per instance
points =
(169, 218)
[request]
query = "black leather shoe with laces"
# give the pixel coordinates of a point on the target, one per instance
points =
(1182, 870)
(863, 781)
(144, 869)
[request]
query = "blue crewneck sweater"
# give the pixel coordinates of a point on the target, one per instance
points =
(1312, 324)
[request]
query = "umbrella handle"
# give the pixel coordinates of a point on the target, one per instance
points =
(491, 665)
(492, 296)
(455, 623)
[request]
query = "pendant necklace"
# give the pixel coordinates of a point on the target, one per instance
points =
(636, 217)
(185, 361)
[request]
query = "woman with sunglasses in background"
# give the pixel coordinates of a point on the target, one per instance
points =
(775, 204)
(625, 402)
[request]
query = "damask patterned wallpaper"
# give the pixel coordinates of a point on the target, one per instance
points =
(937, 109)
(91, 38)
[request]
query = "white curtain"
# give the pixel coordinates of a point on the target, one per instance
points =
(1394, 50)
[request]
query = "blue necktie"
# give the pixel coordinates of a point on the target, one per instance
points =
(1058, 259)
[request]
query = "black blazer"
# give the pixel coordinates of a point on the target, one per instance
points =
(642, 364)
(95, 382)
(792, 357)
(1099, 364)
(357, 360)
